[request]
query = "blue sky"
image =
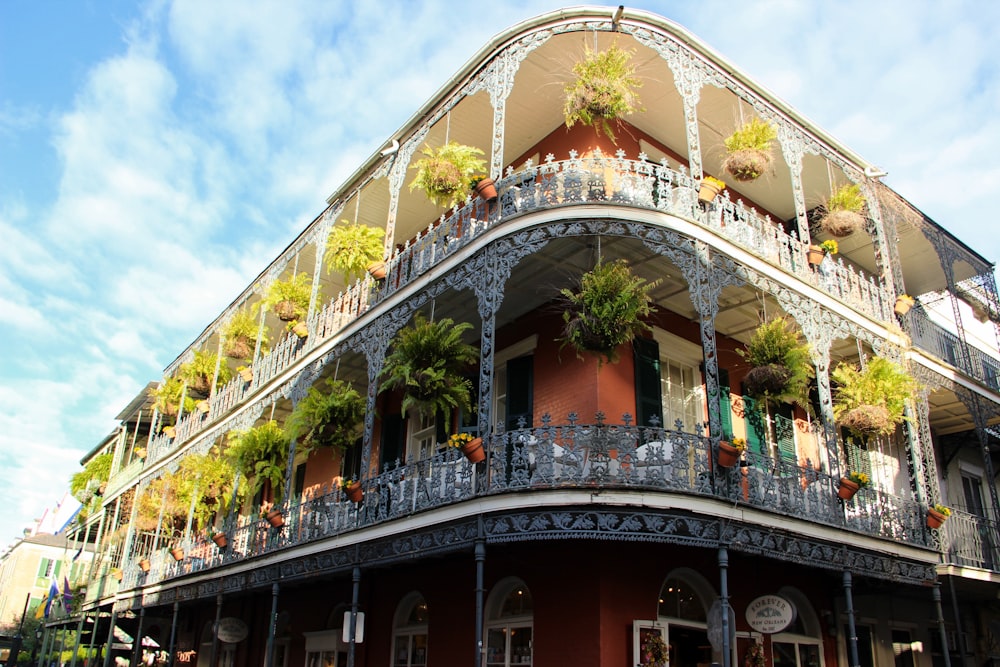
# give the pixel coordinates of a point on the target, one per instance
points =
(155, 156)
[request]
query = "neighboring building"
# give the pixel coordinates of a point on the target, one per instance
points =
(29, 568)
(601, 515)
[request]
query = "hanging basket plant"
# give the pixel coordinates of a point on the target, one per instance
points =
(749, 150)
(445, 174)
(239, 336)
(606, 310)
(604, 90)
(328, 416)
(352, 249)
(429, 362)
(289, 298)
(167, 397)
(870, 401)
(199, 372)
(780, 366)
(260, 455)
(843, 211)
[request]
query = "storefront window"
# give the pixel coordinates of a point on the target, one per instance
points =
(409, 637)
(509, 625)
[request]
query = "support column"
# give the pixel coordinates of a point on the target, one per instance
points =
(172, 645)
(137, 639)
(111, 638)
(76, 644)
(852, 630)
(936, 596)
(727, 649)
(353, 625)
(271, 622)
(480, 600)
(959, 628)
(214, 655)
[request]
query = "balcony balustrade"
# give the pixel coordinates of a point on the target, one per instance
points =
(608, 181)
(971, 540)
(574, 457)
(945, 345)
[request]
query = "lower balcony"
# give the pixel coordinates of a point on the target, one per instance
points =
(590, 457)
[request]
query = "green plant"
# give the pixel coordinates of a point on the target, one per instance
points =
(260, 455)
(459, 440)
(84, 483)
(780, 363)
(198, 372)
(941, 509)
(846, 198)
(239, 335)
(351, 247)
(428, 361)
(843, 211)
(207, 480)
(289, 298)
(167, 397)
(604, 89)
(445, 173)
(328, 418)
(606, 309)
(345, 482)
(861, 479)
(739, 444)
(160, 506)
(830, 246)
(749, 150)
(871, 401)
(721, 185)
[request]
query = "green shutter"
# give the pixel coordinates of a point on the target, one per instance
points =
(756, 426)
(784, 429)
(648, 400)
(520, 388)
(725, 408)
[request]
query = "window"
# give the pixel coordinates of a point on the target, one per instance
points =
(510, 612)
(801, 643)
(409, 635)
(682, 610)
(326, 648)
(424, 440)
(513, 384)
(668, 382)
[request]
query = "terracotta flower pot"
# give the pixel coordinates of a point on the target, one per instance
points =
(815, 255)
(487, 189)
(177, 553)
(728, 454)
(246, 374)
(354, 492)
(708, 191)
(474, 451)
(847, 488)
(934, 518)
(903, 305)
(378, 270)
(144, 565)
(276, 518)
(220, 540)
(301, 330)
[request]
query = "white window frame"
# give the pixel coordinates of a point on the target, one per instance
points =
(683, 353)
(521, 348)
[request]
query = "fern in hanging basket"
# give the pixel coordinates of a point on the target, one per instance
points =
(288, 298)
(260, 454)
(328, 416)
(780, 363)
(445, 174)
(239, 336)
(606, 310)
(428, 361)
(749, 150)
(199, 372)
(167, 397)
(871, 401)
(604, 89)
(352, 247)
(843, 216)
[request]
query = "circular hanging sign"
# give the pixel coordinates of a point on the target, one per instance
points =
(770, 613)
(231, 630)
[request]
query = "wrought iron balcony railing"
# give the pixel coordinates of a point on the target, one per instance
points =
(570, 456)
(947, 346)
(971, 540)
(608, 181)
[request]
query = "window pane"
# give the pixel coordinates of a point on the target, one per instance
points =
(784, 654)
(496, 647)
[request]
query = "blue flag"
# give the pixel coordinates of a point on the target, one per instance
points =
(53, 595)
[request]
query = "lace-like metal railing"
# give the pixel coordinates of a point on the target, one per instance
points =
(949, 347)
(971, 540)
(597, 179)
(577, 456)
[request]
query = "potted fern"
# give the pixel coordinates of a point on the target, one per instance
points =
(780, 365)
(198, 372)
(353, 248)
(260, 455)
(239, 336)
(870, 401)
(749, 150)
(445, 173)
(167, 397)
(604, 90)
(843, 211)
(328, 417)
(606, 309)
(289, 298)
(428, 362)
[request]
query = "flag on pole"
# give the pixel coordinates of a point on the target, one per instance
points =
(67, 596)
(40, 611)
(53, 595)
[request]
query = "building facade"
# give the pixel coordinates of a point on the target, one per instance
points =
(601, 515)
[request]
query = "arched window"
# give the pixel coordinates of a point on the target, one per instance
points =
(801, 643)
(327, 648)
(682, 608)
(509, 618)
(409, 632)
